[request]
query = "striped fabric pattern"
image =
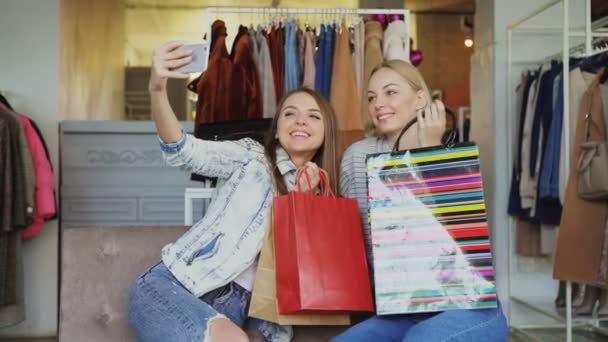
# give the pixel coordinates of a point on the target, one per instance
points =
(429, 231)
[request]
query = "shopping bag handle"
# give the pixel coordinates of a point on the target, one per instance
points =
(323, 181)
(448, 139)
(324, 184)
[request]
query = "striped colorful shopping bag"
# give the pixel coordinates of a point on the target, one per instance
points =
(429, 230)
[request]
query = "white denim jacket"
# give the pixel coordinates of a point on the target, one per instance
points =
(236, 218)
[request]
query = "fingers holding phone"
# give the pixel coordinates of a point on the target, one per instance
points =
(199, 57)
(176, 59)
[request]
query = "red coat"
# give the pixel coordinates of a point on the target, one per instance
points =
(229, 89)
(44, 191)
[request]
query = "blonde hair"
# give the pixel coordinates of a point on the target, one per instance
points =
(411, 75)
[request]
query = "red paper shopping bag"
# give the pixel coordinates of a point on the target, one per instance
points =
(319, 253)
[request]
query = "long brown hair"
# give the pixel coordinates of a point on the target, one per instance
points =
(411, 75)
(327, 155)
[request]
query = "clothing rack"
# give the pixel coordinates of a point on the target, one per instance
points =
(212, 11)
(566, 32)
(577, 51)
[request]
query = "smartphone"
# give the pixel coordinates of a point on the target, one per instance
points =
(200, 57)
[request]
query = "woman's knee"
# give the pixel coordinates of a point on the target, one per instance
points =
(133, 294)
(136, 312)
(224, 330)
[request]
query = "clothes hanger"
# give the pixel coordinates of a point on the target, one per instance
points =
(596, 60)
(336, 17)
(322, 15)
(286, 16)
(352, 19)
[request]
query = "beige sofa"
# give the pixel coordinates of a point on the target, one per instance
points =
(97, 266)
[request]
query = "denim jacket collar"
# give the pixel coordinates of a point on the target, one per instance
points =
(287, 168)
(284, 164)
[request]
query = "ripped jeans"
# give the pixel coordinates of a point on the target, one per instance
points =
(161, 309)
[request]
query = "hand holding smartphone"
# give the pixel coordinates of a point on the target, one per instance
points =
(200, 58)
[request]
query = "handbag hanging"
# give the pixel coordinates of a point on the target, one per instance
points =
(592, 164)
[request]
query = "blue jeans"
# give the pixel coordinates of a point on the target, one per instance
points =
(487, 325)
(161, 309)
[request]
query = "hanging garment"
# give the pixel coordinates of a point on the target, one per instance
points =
(543, 106)
(292, 64)
(548, 210)
(265, 73)
(396, 41)
(526, 189)
(213, 87)
(319, 76)
(229, 89)
(549, 177)
(514, 207)
(239, 34)
(281, 60)
(16, 212)
(48, 157)
(581, 254)
(18, 181)
(527, 232)
(275, 47)
(344, 97)
(44, 193)
(271, 37)
(359, 54)
(309, 62)
(542, 117)
(373, 57)
(217, 29)
(579, 83)
(314, 39)
(330, 43)
(325, 57)
(301, 40)
(245, 88)
(548, 204)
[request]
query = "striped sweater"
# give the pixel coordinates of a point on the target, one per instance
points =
(353, 181)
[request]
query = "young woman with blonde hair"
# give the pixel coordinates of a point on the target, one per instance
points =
(398, 97)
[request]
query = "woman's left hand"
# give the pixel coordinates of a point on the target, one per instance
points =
(431, 127)
(313, 174)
